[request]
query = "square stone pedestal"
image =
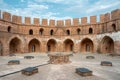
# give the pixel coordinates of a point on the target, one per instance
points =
(83, 72)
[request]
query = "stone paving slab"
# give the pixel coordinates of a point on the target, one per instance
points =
(64, 71)
(55, 72)
(17, 69)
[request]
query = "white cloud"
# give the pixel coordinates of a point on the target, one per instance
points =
(22, 0)
(52, 1)
(36, 6)
(101, 6)
(42, 8)
(85, 7)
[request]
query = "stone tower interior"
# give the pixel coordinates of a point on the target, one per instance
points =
(77, 35)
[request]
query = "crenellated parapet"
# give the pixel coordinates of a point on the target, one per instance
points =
(36, 21)
(115, 14)
(52, 23)
(21, 35)
(84, 20)
(17, 19)
(6, 16)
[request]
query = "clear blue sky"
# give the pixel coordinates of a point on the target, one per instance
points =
(58, 9)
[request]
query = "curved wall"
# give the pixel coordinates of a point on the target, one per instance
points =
(66, 35)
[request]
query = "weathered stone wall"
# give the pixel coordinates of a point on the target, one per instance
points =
(60, 33)
(114, 36)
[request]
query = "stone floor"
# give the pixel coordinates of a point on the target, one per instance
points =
(61, 71)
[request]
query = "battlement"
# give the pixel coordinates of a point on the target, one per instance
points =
(115, 14)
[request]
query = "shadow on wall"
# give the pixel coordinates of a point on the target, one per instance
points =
(68, 45)
(34, 45)
(15, 45)
(51, 45)
(1, 49)
(107, 45)
(87, 45)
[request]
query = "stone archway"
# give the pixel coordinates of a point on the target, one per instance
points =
(15, 45)
(1, 49)
(68, 45)
(51, 45)
(107, 45)
(87, 45)
(34, 45)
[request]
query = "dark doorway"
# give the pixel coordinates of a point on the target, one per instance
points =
(68, 32)
(107, 45)
(68, 45)
(86, 45)
(15, 45)
(34, 45)
(114, 27)
(30, 32)
(51, 45)
(1, 49)
(90, 31)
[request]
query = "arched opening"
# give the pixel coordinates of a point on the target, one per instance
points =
(9, 29)
(68, 45)
(1, 49)
(107, 45)
(103, 29)
(34, 45)
(90, 30)
(51, 32)
(68, 32)
(78, 31)
(15, 46)
(86, 45)
(51, 45)
(114, 27)
(41, 31)
(30, 32)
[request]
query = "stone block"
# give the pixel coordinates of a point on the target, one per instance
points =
(84, 20)
(84, 72)
(75, 21)
(27, 20)
(6, 16)
(106, 63)
(13, 62)
(52, 23)
(44, 22)
(29, 71)
(68, 22)
(93, 19)
(36, 21)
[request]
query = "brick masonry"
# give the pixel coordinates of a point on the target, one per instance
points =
(75, 35)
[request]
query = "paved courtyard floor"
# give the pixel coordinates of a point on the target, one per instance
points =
(61, 71)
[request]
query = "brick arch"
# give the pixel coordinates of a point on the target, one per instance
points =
(41, 31)
(34, 45)
(114, 27)
(15, 45)
(9, 29)
(78, 31)
(68, 32)
(107, 45)
(30, 32)
(90, 30)
(1, 48)
(87, 45)
(51, 45)
(51, 32)
(68, 45)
